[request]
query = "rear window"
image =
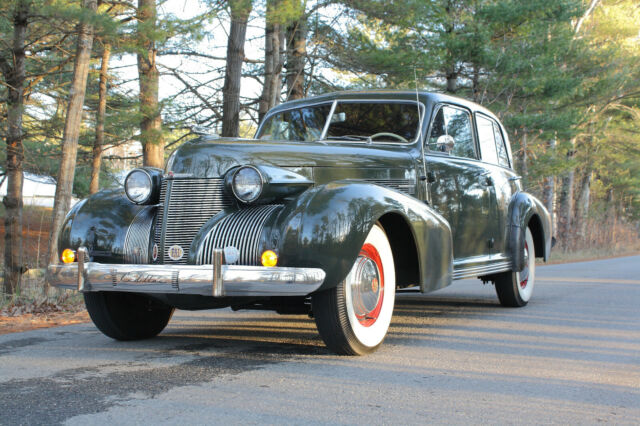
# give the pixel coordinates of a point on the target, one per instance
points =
(492, 144)
(486, 137)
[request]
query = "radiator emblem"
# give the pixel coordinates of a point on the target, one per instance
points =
(154, 252)
(175, 252)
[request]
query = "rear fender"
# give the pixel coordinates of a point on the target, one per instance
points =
(527, 211)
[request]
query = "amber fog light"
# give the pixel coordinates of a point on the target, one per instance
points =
(269, 258)
(68, 256)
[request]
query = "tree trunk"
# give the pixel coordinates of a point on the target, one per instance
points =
(475, 83)
(565, 207)
(589, 11)
(582, 207)
(72, 125)
(524, 169)
(452, 81)
(151, 123)
(240, 10)
(15, 77)
(296, 56)
(94, 186)
(549, 191)
(272, 64)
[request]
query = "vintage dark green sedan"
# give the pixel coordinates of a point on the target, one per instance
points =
(338, 201)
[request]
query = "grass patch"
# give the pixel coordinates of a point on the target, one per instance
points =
(33, 296)
(587, 254)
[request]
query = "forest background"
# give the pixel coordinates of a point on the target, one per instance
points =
(78, 77)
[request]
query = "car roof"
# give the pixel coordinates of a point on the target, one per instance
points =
(424, 96)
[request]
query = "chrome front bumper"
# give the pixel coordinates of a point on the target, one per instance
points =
(216, 280)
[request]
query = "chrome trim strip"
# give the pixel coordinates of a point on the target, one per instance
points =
(206, 280)
(475, 271)
(327, 123)
(402, 185)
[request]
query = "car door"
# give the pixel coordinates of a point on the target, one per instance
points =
(495, 155)
(460, 187)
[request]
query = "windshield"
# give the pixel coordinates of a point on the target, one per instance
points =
(379, 121)
(303, 124)
(375, 121)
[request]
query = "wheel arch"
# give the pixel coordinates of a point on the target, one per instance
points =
(403, 246)
(537, 231)
(526, 211)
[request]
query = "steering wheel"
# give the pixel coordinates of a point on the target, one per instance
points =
(393, 135)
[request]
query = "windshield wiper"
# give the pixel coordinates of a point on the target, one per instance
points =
(358, 138)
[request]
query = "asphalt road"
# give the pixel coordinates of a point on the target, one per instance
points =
(571, 356)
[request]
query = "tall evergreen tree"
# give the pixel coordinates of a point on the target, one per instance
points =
(239, 13)
(14, 72)
(151, 134)
(73, 122)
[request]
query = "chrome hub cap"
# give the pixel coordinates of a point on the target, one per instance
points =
(524, 274)
(367, 285)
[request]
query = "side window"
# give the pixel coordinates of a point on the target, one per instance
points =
(454, 122)
(503, 155)
(486, 137)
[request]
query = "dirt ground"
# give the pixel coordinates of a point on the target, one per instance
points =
(13, 319)
(25, 322)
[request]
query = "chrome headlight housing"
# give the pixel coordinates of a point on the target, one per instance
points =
(247, 183)
(142, 186)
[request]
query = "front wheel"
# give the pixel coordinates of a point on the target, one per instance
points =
(127, 316)
(353, 318)
(514, 289)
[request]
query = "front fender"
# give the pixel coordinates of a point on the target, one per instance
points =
(328, 224)
(526, 210)
(101, 223)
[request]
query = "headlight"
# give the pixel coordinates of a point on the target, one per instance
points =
(138, 186)
(247, 184)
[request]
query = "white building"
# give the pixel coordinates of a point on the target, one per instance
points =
(37, 190)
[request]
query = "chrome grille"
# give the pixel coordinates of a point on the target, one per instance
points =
(403, 185)
(189, 204)
(136, 242)
(242, 230)
(160, 216)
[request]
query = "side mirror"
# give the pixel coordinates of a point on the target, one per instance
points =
(445, 143)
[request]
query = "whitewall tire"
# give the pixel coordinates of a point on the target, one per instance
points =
(353, 318)
(514, 289)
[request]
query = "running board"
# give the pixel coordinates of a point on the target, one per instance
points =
(476, 271)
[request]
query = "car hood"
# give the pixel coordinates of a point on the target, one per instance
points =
(213, 158)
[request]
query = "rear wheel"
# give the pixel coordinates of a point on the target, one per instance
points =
(353, 318)
(127, 316)
(514, 289)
